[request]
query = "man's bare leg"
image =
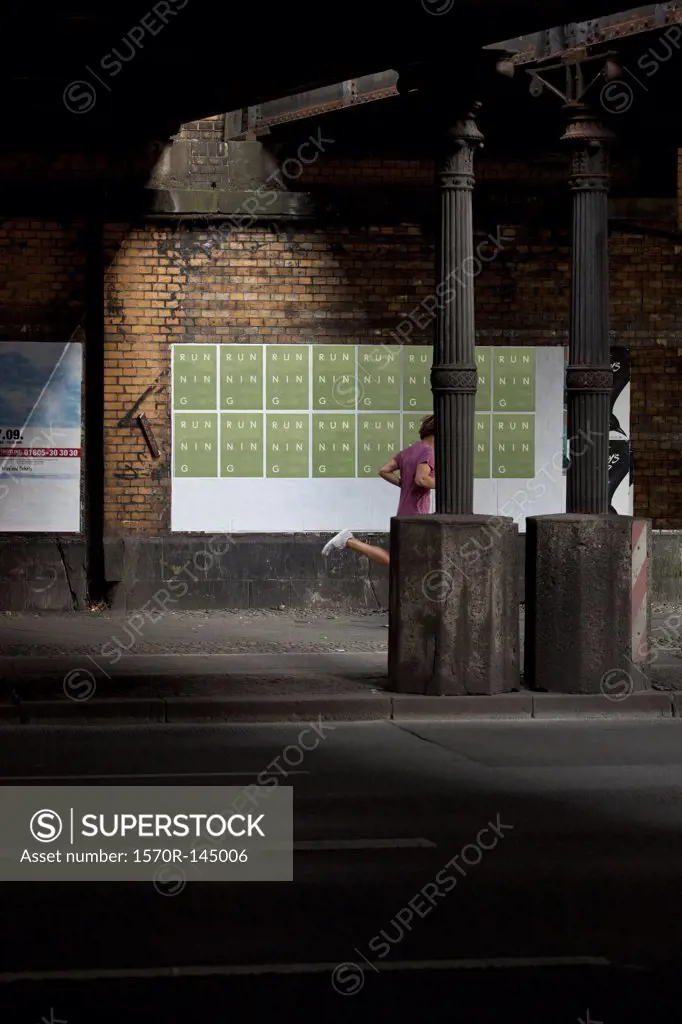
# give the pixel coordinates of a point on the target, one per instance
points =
(345, 539)
(374, 554)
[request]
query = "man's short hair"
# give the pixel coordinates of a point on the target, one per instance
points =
(427, 427)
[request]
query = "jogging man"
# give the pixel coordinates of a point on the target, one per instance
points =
(412, 471)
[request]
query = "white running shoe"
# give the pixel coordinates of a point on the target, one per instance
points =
(339, 541)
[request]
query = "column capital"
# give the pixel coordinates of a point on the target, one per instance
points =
(462, 130)
(589, 142)
(461, 139)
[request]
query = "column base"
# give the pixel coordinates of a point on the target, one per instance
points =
(454, 610)
(588, 610)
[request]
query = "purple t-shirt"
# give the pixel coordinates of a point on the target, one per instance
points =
(414, 500)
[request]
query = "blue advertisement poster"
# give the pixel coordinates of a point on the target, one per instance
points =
(40, 437)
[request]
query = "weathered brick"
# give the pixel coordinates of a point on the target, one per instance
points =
(347, 284)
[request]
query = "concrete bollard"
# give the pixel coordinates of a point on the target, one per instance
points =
(454, 611)
(588, 608)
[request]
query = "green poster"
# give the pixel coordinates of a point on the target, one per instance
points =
(195, 379)
(366, 403)
(484, 365)
(378, 440)
(241, 377)
(417, 362)
(411, 425)
(482, 446)
(287, 377)
(514, 446)
(241, 444)
(196, 444)
(379, 376)
(514, 380)
(288, 445)
(334, 377)
(333, 444)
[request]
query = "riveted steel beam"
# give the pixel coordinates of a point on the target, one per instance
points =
(560, 42)
(351, 93)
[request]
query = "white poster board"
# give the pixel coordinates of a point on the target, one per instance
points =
(289, 438)
(40, 437)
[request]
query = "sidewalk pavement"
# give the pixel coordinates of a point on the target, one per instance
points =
(254, 666)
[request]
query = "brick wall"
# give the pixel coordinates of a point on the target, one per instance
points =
(358, 283)
(546, 169)
(646, 310)
(305, 285)
(42, 280)
(145, 284)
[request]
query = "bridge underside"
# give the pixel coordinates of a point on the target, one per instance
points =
(181, 60)
(115, 237)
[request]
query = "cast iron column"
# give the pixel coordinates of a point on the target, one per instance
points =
(454, 377)
(589, 375)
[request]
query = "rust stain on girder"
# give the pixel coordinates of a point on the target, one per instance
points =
(325, 108)
(352, 92)
(635, 21)
(568, 43)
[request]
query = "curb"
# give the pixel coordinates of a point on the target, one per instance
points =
(650, 705)
(351, 708)
(408, 708)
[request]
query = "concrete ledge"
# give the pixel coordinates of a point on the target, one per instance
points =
(259, 571)
(352, 708)
(256, 571)
(42, 573)
(594, 705)
(499, 706)
(666, 569)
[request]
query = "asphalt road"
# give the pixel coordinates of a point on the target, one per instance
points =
(591, 995)
(587, 865)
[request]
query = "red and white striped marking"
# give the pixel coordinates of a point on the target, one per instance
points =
(640, 537)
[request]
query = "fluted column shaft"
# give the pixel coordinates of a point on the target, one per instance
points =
(454, 376)
(589, 378)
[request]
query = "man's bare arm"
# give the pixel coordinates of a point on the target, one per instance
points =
(388, 473)
(424, 476)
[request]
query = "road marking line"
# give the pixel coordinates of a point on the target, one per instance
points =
(363, 844)
(92, 974)
(140, 775)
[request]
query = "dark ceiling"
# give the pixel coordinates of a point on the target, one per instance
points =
(184, 59)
